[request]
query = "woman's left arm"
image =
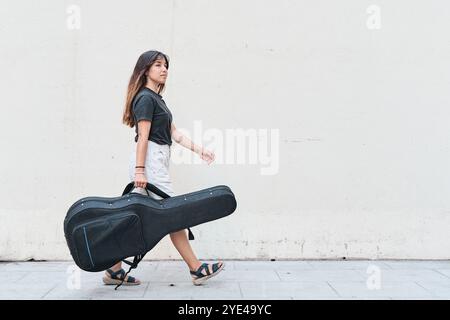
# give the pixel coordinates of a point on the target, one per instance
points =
(181, 139)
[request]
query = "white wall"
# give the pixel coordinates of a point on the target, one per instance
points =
(362, 113)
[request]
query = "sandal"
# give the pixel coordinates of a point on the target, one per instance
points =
(198, 277)
(114, 279)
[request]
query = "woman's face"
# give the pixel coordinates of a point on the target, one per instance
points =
(158, 71)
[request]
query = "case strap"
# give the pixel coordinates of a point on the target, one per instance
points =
(132, 265)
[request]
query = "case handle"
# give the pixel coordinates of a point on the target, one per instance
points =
(149, 187)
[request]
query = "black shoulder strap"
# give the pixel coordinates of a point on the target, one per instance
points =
(132, 265)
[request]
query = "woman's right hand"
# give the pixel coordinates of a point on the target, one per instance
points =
(140, 180)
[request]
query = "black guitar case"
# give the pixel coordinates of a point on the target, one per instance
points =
(101, 231)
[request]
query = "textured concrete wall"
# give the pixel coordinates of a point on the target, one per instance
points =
(348, 100)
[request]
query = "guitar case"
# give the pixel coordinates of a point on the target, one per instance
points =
(102, 231)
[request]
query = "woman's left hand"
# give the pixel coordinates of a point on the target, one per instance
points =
(207, 155)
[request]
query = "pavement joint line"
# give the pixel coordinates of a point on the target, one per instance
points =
(441, 273)
(53, 287)
(143, 291)
(23, 276)
(278, 275)
(332, 288)
(146, 289)
(432, 294)
(240, 289)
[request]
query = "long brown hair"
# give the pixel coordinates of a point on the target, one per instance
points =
(138, 80)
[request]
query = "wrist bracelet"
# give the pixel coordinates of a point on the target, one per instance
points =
(140, 167)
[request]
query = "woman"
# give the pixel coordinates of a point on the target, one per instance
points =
(146, 109)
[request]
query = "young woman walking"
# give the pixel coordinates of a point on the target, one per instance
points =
(149, 162)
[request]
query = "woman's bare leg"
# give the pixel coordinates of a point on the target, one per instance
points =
(181, 243)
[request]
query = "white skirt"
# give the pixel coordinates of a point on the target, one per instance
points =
(156, 168)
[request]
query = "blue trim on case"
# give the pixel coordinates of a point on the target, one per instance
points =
(87, 246)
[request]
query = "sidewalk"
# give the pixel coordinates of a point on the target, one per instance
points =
(270, 280)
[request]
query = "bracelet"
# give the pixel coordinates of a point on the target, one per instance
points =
(140, 167)
(139, 173)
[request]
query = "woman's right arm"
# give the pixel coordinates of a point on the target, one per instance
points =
(140, 180)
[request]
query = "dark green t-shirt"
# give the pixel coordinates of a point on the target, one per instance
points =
(149, 105)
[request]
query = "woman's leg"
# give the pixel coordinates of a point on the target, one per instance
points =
(181, 242)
